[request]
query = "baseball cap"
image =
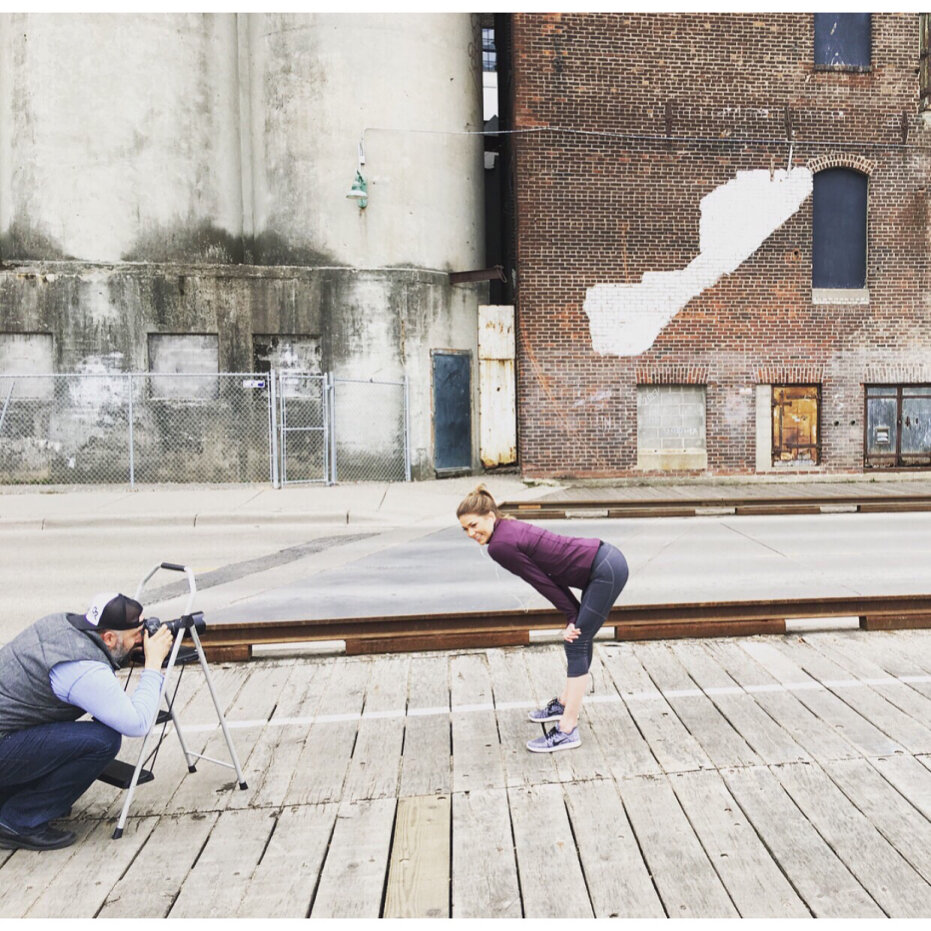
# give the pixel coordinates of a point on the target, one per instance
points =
(113, 611)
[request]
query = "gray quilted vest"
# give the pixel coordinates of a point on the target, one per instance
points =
(26, 696)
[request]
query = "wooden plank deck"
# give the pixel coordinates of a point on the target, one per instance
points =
(778, 777)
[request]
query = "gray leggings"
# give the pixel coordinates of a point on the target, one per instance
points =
(608, 578)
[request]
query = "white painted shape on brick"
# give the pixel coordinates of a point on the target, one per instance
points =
(736, 219)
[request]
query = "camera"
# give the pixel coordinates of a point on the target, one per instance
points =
(185, 622)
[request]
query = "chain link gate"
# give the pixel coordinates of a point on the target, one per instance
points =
(342, 429)
(304, 425)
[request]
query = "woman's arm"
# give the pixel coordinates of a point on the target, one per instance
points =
(518, 562)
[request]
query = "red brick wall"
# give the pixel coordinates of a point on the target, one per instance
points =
(593, 208)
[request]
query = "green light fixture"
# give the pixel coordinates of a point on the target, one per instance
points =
(359, 190)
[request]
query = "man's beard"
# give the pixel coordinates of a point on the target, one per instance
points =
(120, 654)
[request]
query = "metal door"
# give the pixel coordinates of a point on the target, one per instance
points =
(452, 411)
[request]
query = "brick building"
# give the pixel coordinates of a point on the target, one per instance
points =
(721, 241)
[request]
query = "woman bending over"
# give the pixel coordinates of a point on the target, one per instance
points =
(553, 564)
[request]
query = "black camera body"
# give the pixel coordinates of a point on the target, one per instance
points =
(185, 622)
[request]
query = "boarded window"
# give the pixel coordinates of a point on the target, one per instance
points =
(838, 233)
(843, 40)
(796, 434)
(898, 426)
(671, 427)
(29, 356)
(184, 367)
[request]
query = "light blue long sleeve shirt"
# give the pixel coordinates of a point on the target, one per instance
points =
(93, 687)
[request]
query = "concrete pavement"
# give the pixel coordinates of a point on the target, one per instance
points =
(369, 549)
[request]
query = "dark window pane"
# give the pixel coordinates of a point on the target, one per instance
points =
(489, 53)
(842, 39)
(881, 428)
(839, 229)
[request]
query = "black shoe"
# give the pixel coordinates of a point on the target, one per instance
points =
(47, 838)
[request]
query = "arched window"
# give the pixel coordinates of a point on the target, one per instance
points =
(843, 40)
(838, 246)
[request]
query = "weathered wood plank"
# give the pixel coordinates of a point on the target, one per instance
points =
(274, 755)
(685, 879)
(255, 701)
(320, 769)
(715, 734)
(484, 880)
(858, 660)
(220, 877)
(26, 875)
(672, 745)
(909, 777)
(622, 744)
(71, 893)
(894, 816)
(418, 873)
(914, 644)
(426, 766)
(896, 655)
(821, 702)
(375, 767)
(864, 699)
(551, 878)
(758, 729)
(513, 687)
(477, 762)
(618, 882)
(811, 733)
(170, 852)
(353, 875)
(751, 876)
(821, 879)
(881, 869)
(282, 885)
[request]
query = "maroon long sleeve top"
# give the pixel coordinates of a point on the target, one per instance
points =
(551, 563)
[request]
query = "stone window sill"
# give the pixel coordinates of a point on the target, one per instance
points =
(840, 295)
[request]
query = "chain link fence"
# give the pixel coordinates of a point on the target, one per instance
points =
(278, 427)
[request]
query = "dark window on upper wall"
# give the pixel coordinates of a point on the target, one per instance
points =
(843, 40)
(838, 234)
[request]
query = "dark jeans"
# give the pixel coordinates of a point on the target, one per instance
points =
(45, 769)
(607, 580)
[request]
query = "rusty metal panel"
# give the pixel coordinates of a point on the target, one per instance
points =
(497, 389)
(795, 423)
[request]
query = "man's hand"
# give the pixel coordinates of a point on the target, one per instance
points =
(157, 647)
(571, 633)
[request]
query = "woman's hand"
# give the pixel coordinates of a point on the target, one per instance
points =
(571, 633)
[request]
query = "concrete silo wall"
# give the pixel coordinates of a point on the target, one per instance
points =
(186, 174)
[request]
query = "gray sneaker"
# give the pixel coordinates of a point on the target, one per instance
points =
(551, 712)
(555, 739)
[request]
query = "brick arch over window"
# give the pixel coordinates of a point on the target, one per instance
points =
(841, 160)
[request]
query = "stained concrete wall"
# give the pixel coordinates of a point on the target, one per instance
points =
(186, 174)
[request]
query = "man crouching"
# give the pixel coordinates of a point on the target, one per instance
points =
(58, 669)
